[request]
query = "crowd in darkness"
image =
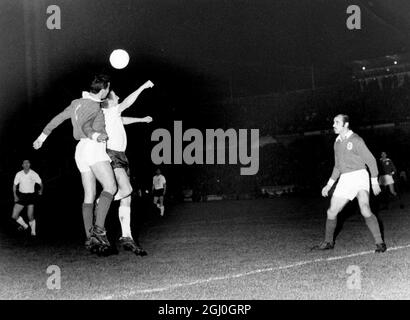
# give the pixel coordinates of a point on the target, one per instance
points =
(307, 161)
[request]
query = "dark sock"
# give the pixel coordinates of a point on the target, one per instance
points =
(374, 228)
(88, 215)
(102, 208)
(330, 229)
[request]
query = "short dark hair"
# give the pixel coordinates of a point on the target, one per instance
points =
(345, 118)
(101, 81)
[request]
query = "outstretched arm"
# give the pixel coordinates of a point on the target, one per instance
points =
(130, 120)
(54, 123)
(128, 101)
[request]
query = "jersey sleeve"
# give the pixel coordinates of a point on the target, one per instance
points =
(17, 179)
(367, 157)
(58, 119)
(37, 178)
(336, 172)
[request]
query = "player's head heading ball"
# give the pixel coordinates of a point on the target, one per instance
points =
(100, 85)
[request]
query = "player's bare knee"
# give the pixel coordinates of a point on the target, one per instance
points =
(111, 188)
(331, 214)
(365, 210)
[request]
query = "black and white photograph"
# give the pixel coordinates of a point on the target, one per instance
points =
(218, 152)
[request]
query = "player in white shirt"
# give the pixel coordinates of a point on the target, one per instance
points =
(25, 196)
(159, 187)
(116, 146)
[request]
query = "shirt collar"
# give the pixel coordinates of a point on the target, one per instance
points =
(346, 136)
(87, 95)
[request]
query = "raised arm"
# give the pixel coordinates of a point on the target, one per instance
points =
(130, 120)
(128, 101)
(54, 123)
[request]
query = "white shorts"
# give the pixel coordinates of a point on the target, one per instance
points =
(351, 183)
(88, 152)
(386, 180)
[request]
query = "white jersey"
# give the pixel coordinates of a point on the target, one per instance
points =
(26, 181)
(158, 182)
(117, 138)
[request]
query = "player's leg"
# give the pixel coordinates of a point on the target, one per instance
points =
(31, 220)
(124, 184)
(391, 189)
(105, 176)
(98, 236)
(161, 204)
(124, 215)
(336, 206)
(371, 220)
(89, 186)
(16, 215)
(127, 241)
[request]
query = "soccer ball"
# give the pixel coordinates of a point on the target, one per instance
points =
(119, 59)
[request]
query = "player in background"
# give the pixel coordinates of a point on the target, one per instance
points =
(25, 196)
(159, 188)
(116, 146)
(351, 158)
(91, 158)
(388, 170)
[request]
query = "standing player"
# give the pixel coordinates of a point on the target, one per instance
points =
(351, 158)
(159, 188)
(388, 170)
(25, 196)
(116, 146)
(91, 158)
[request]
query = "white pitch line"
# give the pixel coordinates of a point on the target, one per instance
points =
(244, 274)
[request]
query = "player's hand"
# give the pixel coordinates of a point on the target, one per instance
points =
(376, 188)
(147, 119)
(40, 193)
(37, 144)
(148, 84)
(102, 137)
(16, 199)
(325, 190)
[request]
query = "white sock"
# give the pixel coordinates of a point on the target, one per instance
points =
(21, 222)
(124, 214)
(33, 227)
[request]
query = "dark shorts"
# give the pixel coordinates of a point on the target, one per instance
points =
(26, 199)
(119, 160)
(158, 192)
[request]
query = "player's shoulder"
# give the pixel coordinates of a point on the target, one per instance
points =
(356, 138)
(19, 173)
